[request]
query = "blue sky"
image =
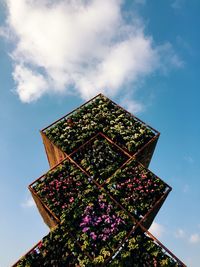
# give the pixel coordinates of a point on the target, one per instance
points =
(144, 55)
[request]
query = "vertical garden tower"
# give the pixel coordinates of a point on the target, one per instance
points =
(99, 198)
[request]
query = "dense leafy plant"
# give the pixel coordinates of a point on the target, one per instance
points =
(57, 249)
(141, 250)
(136, 188)
(99, 115)
(99, 158)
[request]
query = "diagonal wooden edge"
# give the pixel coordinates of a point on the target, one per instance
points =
(48, 216)
(53, 152)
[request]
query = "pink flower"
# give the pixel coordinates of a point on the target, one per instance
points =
(106, 231)
(102, 205)
(104, 238)
(71, 199)
(85, 229)
(107, 220)
(99, 220)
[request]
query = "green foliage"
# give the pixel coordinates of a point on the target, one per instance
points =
(99, 115)
(99, 158)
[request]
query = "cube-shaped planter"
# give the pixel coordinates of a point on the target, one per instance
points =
(138, 190)
(59, 189)
(100, 114)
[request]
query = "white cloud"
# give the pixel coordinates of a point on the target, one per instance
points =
(194, 238)
(35, 83)
(81, 46)
(28, 203)
(132, 105)
(180, 233)
(157, 229)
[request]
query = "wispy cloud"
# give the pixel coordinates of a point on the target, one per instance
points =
(169, 58)
(189, 159)
(68, 46)
(177, 4)
(180, 233)
(3, 32)
(157, 229)
(141, 2)
(131, 105)
(28, 203)
(194, 238)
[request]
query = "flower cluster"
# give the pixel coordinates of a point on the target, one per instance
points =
(98, 225)
(61, 187)
(107, 222)
(136, 188)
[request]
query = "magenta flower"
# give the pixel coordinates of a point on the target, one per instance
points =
(93, 235)
(87, 219)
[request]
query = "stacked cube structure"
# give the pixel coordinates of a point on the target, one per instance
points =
(99, 198)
